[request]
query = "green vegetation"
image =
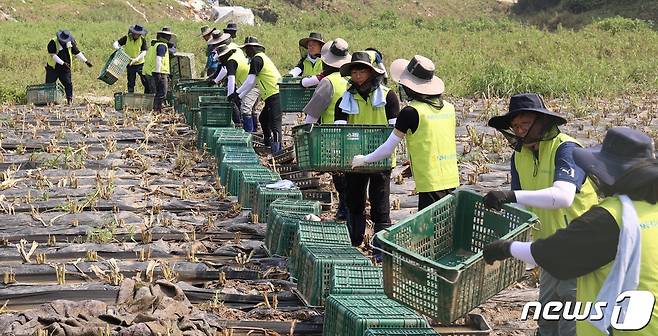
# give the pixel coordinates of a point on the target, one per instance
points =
(491, 55)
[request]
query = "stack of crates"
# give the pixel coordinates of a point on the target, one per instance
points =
(204, 135)
(214, 111)
(182, 66)
(178, 92)
(190, 97)
(249, 183)
(281, 223)
(234, 172)
(265, 196)
(44, 94)
(311, 233)
(114, 67)
(234, 137)
(235, 159)
(351, 280)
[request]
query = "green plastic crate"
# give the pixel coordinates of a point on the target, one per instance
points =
(114, 67)
(215, 115)
(357, 280)
(318, 261)
(232, 176)
(433, 260)
(296, 205)
(352, 315)
(231, 139)
(332, 147)
(223, 150)
(310, 233)
(137, 101)
(235, 159)
(204, 134)
(182, 66)
(280, 223)
(293, 96)
(221, 132)
(401, 332)
(249, 183)
(118, 101)
(265, 196)
(191, 94)
(44, 94)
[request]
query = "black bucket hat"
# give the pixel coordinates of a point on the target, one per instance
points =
(524, 102)
(623, 148)
(231, 27)
(205, 30)
(64, 36)
(359, 57)
(251, 41)
(222, 50)
(137, 29)
(314, 36)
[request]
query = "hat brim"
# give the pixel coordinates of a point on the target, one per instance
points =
(135, 31)
(504, 121)
(607, 168)
(399, 73)
(252, 45)
(346, 69)
(163, 32)
(332, 60)
(206, 32)
(64, 40)
(304, 42)
(226, 30)
(228, 50)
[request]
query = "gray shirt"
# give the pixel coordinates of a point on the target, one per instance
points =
(320, 100)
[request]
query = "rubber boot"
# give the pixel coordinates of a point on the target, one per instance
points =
(247, 123)
(276, 147)
(69, 101)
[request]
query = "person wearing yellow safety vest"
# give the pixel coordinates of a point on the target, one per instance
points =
(156, 65)
(546, 180)
(310, 65)
(134, 44)
(234, 66)
(212, 64)
(613, 247)
(321, 106)
(62, 48)
(263, 72)
(367, 102)
(429, 125)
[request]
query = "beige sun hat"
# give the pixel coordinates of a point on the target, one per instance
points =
(218, 37)
(418, 75)
(335, 53)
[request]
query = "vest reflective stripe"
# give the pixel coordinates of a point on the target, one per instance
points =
(535, 174)
(149, 60)
(590, 284)
(339, 85)
(311, 69)
(368, 114)
(59, 47)
(243, 66)
(134, 47)
(267, 78)
(433, 148)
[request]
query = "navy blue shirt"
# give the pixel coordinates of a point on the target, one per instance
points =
(565, 167)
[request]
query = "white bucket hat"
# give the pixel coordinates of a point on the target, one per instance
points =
(335, 53)
(418, 75)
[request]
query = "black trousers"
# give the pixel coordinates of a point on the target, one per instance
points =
(379, 189)
(426, 199)
(64, 76)
(270, 119)
(161, 82)
(133, 71)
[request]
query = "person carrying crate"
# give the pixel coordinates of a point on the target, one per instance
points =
(310, 65)
(156, 65)
(62, 48)
(546, 180)
(235, 68)
(429, 125)
(612, 247)
(217, 39)
(321, 106)
(263, 71)
(366, 101)
(134, 44)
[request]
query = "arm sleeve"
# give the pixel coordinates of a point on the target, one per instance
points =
(310, 81)
(230, 84)
(522, 251)
(295, 72)
(144, 46)
(320, 100)
(231, 67)
(256, 65)
(248, 84)
(52, 48)
(588, 243)
(339, 115)
(74, 48)
(161, 50)
(515, 182)
(141, 55)
(81, 57)
(123, 40)
(57, 59)
(158, 64)
(310, 119)
(565, 167)
(392, 106)
(407, 120)
(116, 45)
(385, 150)
(558, 196)
(220, 74)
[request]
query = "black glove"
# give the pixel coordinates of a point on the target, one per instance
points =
(496, 198)
(89, 64)
(497, 250)
(233, 97)
(66, 66)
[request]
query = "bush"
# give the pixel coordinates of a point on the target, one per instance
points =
(619, 24)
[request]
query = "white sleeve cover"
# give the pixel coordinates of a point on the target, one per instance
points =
(116, 45)
(310, 119)
(295, 72)
(158, 64)
(248, 84)
(81, 57)
(230, 85)
(385, 150)
(57, 59)
(140, 56)
(310, 81)
(522, 251)
(340, 122)
(220, 76)
(560, 195)
(392, 121)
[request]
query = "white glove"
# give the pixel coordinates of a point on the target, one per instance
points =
(358, 161)
(312, 217)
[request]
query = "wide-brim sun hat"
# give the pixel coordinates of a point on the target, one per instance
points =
(219, 38)
(359, 58)
(231, 27)
(137, 29)
(251, 41)
(64, 36)
(222, 50)
(314, 36)
(205, 30)
(524, 102)
(335, 53)
(623, 148)
(418, 75)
